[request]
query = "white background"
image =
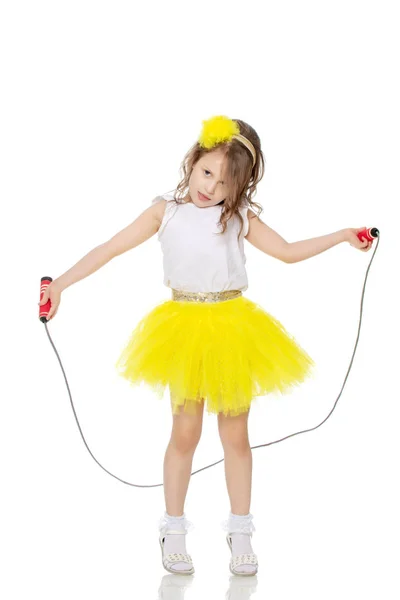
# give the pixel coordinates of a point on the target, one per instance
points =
(99, 103)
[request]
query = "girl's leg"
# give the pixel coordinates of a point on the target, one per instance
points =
(238, 473)
(186, 432)
(185, 436)
(238, 460)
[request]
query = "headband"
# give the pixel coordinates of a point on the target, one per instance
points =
(222, 129)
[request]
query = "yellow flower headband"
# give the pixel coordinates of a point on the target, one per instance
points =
(222, 129)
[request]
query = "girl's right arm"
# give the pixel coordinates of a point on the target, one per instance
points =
(144, 227)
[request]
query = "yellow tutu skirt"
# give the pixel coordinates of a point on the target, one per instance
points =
(225, 352)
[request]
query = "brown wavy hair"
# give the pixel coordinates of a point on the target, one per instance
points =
(242, 178)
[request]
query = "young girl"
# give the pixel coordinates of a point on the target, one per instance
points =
(209, 344)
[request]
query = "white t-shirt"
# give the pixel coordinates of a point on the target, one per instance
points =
(195, 259)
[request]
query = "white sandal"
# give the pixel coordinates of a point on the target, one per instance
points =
(241, 559)
(171, 559)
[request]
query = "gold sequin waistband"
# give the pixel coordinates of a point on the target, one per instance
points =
(205, 296)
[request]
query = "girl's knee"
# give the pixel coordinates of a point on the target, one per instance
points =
(187, 427)
(186, 440)
(233, 432)
(239, 446)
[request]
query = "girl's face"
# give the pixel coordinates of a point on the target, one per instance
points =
(207, 178)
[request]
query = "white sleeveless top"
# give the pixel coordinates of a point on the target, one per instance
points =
(195, 259)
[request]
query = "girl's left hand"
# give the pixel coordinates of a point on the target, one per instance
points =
(353, 239)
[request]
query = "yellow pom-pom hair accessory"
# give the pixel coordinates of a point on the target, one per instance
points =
(222, 129)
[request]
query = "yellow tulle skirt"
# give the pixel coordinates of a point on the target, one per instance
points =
(226, 353)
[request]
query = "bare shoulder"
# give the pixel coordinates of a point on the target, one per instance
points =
(158, 209)
(251, 215)
(141, 229)
(266, 239)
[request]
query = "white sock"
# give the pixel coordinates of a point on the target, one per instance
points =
(175, 543)
(239, 526)
(241, 544)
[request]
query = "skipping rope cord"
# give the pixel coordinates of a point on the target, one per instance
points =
(252, 447)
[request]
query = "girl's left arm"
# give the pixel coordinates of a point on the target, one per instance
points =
(303, 249)
(269, 241)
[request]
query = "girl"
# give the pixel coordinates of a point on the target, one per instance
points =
(209, 344)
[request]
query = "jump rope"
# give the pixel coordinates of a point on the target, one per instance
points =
(368, 234)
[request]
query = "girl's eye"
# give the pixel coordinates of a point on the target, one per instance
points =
(207, 171)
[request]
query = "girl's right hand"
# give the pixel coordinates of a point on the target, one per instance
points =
(53, 292)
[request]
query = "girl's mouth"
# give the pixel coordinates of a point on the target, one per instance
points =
(202, 197)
